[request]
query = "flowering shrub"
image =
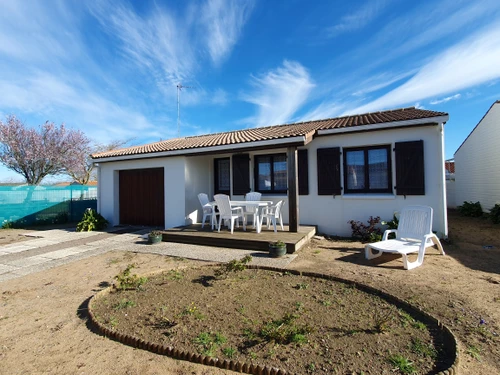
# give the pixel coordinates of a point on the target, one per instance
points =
(366, 233)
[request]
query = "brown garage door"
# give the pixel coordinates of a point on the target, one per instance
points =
(142, 197)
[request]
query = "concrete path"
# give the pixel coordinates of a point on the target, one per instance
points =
(52, 248)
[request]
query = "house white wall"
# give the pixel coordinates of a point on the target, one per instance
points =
(175, 191)
(331, 214)
(451, 191)
(477, 174)
(186, 176)
(198, 179)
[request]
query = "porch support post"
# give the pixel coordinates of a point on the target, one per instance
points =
(293, 190)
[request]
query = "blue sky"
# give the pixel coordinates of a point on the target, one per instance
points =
(110, 68)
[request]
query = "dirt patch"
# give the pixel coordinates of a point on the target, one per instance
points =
(43, 318)
(8, 236)
(276, 319)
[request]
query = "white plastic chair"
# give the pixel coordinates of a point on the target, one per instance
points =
(228, 213)
(413, 235)
(272, 214)
(208, 210)
(252, 210)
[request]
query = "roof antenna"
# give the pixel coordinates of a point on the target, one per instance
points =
(179, 87)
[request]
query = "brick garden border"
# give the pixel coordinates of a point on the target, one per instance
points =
(450, 343)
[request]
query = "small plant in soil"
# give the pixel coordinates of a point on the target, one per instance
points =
(302, 286)
(113, 322)
(474, 352)
(208, 343)
(407, 319)
(403, 364)
(423, 349)
(124, 304)
(284, 330)
(234, 265)
(193, 311)
(127, 281)
(310, 368)
(382, 318)
(174, 275)
(229, 352)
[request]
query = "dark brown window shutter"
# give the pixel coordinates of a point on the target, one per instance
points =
(241, 174)
(329, 171)
(410, 168)
(303, 172)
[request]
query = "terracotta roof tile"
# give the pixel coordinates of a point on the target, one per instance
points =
(273, 132)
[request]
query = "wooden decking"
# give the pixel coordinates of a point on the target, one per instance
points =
(249, 239)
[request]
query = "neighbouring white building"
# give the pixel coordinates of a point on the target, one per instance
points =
(477, 160)
(329, 171)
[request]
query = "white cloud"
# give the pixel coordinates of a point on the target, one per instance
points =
(468, 63)
(279, 93)
(380, 81)
(31, 32)
(223, 21)
(220, 97)
(46, 95)
(358, 19)
(158, 43)
(327, 109)
(409, 39)
(447, 99)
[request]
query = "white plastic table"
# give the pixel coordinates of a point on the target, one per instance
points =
(257, 204)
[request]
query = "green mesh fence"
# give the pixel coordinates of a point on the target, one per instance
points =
(38, 205)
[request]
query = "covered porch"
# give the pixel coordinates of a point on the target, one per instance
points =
(249, 240)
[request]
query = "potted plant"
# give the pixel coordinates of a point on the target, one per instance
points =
(155, 236)
(277, 249)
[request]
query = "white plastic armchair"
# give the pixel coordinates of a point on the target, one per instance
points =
(272, 214)
(252, 210)
(414, 235)
(228, 213)
(208, 210)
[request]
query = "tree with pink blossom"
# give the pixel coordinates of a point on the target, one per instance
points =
(81, 167)
(36, 153)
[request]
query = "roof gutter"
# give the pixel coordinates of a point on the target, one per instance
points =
(385, 125)
(272, 143)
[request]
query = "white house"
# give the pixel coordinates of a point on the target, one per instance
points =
(477, 175)
(329, 171)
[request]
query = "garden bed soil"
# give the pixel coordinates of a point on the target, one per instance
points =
(276, 319)
(44, 320)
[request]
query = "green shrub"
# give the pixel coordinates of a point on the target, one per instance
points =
(92, 220)
(234, 265)
(495, 214)
(126, 281)
(8, 224)
(470, 209)
(393, 224)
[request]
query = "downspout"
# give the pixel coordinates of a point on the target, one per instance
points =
(97, 166)
(442, 178)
